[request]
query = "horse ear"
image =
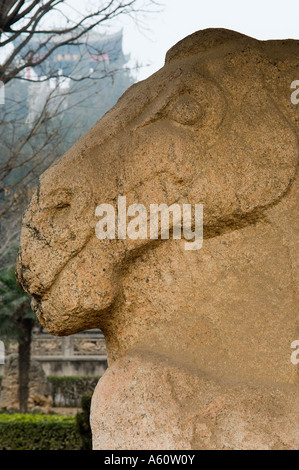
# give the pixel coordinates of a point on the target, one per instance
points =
(254, 163)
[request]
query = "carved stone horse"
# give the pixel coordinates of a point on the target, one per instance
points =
(198, 342)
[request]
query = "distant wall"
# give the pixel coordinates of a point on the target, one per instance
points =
(83, 354)
(81, 366)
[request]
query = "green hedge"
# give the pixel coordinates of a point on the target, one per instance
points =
(67, 391)
(38, 432)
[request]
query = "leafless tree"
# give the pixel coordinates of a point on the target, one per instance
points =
(22, 21)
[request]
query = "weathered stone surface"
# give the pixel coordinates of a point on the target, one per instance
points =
(199, 342)
(39, 389)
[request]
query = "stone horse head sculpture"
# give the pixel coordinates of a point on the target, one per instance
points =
(198, 342)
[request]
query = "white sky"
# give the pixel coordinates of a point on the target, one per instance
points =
(262, 19)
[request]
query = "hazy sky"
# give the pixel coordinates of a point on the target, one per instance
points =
(262, 19)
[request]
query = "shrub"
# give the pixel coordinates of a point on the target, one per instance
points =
(83, 423)
(38, 432)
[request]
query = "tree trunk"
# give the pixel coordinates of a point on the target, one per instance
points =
(24, 350)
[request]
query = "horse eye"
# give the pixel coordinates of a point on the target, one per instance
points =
(186, 111)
